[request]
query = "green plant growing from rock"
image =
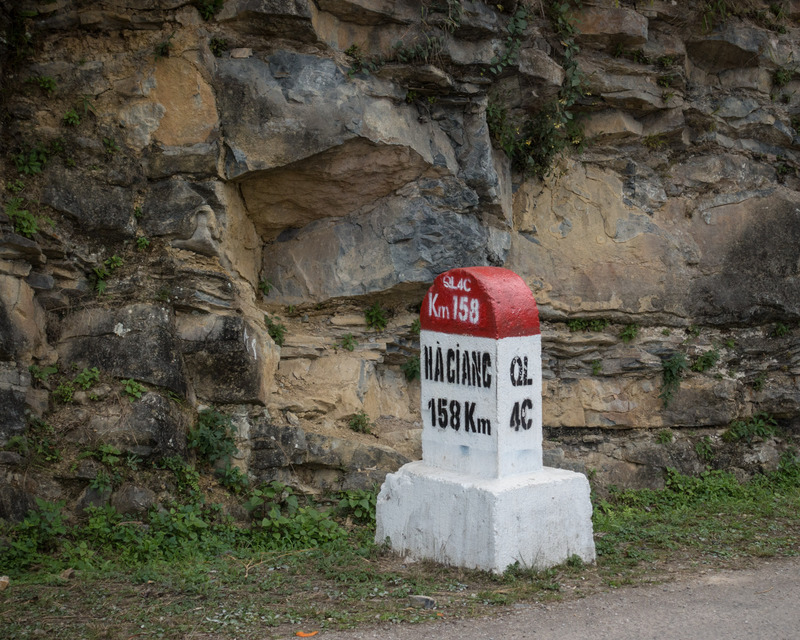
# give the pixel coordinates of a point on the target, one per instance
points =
(105, 271)
(706, 360)
(208, 8)
(133, 389)
(87, 378)
(673, 369)
(360, 422)
(218, 46)
(704, 450)
(597, 367)
(780, 330)
(142, 243)
(376, 317)
(23, 221)
(759, 381)
(760, 425)
(665, 436)
(212, 436)
(587, 324)
(64, 392)
(42, 374)
(276, 330)
(517, 25)
(264, 286)
(71, 118)
(348, 342)
(411, 368)
(233, 479)
(629, 333)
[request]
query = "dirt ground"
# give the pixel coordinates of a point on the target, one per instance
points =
(748, 604)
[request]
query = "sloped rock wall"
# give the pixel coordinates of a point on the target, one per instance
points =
(197, 184)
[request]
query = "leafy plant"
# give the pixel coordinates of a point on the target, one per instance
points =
(376, 317)
(218, 46)
(212, 436)
(759, 381)
(142, 243)
(629, 333)
(275, 329)
(186, 476)
(265, 286)
(665, 436)
(348, 342)
(86, 378)
(15, 186)
(30, 161)
(359, 503)
(360, 422)
(71, 118)
(134, 390)
(597, 367)
(587, 324)
(104, 271)
(780, 330)
(655, 142)
(110, 145)
(64, 392)
(516, 28)
(101, 481)
(162, 48)
(42, 373)
(704, 449)
(411, 368)
(782, 76)
(706, 360)
(415, 326)
(208, 8)
(46, 83)
(23, 221)
(233, 479)
(672, 370)
(760, 425)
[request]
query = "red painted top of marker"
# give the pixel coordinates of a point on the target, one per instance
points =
(485, 302)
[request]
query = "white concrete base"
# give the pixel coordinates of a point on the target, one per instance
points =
(538, 519)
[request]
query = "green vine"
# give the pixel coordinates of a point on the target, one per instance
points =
(533, 143)
(516, 28)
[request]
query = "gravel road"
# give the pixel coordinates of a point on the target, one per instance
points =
(749, 604)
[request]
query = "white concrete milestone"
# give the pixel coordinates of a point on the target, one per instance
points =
(480, 497)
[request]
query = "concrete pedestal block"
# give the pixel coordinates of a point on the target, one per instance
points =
(538, 519)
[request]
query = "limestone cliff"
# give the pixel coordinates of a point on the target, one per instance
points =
(203, 198)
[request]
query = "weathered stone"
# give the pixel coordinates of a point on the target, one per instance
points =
(115, 340)
(399, 242)
(22, 333)
(610, 26)
(132, 500)
(735, 46)
(613, 124)
(542, 70)
(151, 427)
(95, 206)
(15, 502)
(365, 12)
(185, 212)
(322, 186)
(13, 386)
(270, 18)
(229, 359)
(190, 110)
(628, 91)
(93, 497)
(198, 160)
(326, 461)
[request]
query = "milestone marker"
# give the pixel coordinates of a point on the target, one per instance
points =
(480, 497)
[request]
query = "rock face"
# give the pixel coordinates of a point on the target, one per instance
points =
(197, 214)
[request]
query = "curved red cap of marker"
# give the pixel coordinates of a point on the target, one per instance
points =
(485, 302)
